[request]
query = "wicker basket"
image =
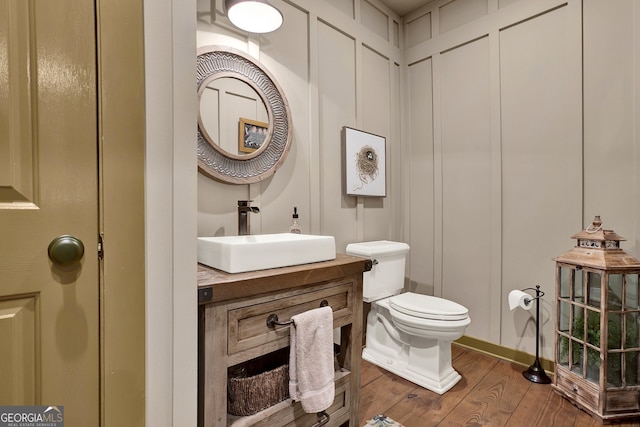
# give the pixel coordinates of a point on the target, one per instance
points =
(248, 394)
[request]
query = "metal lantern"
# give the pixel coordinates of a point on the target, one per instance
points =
(597, 339)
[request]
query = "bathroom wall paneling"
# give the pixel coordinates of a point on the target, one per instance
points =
(499, 90)
(338, 65)
(610, 115)
(610, 155)
(465, 153)
(287, 59)
(564, 126)
(170, 200)
(490, 164)
(379, 74)
(337, 108)
(541, 151)
(420, 222)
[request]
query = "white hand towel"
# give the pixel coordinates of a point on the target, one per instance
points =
(311, 374)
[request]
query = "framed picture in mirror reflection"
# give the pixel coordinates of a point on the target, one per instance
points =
(251, 135)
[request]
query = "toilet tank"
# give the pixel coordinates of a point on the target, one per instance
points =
(386, 277)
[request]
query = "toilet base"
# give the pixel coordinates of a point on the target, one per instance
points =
(425, 361)
(438, 383)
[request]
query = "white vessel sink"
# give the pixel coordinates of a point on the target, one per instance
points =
(236, 254)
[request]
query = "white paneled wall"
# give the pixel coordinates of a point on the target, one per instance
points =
(563, 139)
(612, 116)
(515, 169)
(377, 77)
(420, 162)
(506, 161)
(337, 108)
(490, 164)
(465, 153)
(338, 64)
(456, 13)
(541, 152)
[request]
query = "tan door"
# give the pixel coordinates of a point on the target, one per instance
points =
(49, 317)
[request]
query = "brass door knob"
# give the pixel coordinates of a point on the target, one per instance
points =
(66, 250)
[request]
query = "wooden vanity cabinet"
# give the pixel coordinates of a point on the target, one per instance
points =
(232, 329)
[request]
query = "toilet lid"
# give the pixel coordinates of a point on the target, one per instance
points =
(428, 307)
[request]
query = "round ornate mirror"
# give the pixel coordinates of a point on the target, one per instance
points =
(244, 123)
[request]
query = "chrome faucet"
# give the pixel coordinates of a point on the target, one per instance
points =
(244, 207)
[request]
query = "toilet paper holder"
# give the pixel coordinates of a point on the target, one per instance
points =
(522, 299)
(535, 373)
(539, 293)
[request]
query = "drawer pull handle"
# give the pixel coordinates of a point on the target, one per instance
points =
(324, 421)
(272, 320)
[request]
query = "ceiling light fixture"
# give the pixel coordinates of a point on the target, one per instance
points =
(254, 16)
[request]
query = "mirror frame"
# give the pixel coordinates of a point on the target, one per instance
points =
(215, 62)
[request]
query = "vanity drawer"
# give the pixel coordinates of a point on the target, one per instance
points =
(247, 325)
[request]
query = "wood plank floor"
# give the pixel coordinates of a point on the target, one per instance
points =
(492, 392)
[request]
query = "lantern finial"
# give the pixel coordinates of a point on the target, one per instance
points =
(596, 224)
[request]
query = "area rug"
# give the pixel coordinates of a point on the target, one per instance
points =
(382, 421)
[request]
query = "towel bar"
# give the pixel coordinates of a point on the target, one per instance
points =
(272, 320)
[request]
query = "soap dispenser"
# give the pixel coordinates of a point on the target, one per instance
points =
(295, 228)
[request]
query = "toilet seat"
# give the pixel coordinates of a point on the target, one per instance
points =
(428, 307)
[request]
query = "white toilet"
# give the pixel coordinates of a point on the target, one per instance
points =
(408, 334)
